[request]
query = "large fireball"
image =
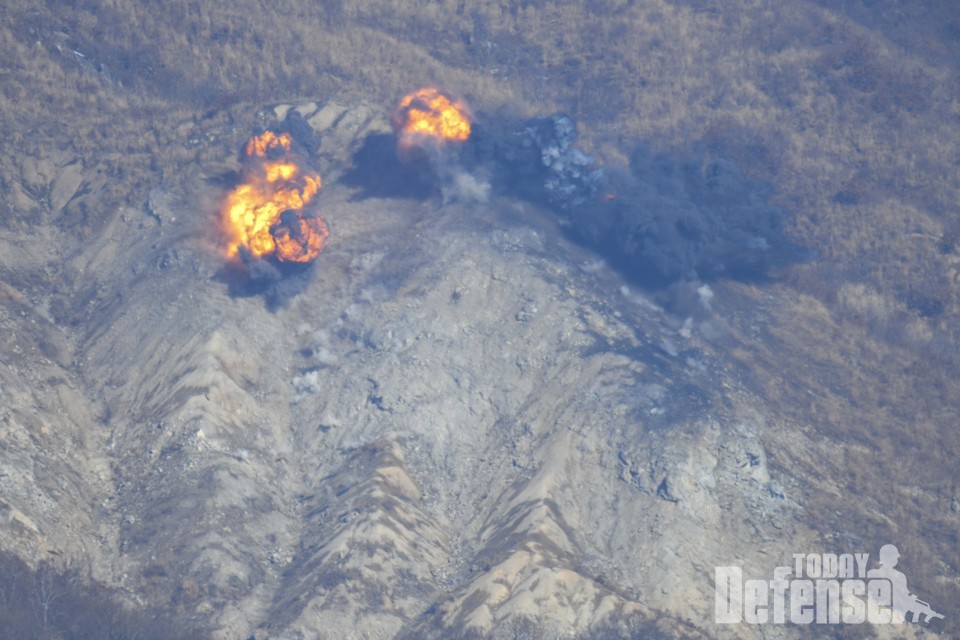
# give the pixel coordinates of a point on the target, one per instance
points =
(267, 215)
(429, 114)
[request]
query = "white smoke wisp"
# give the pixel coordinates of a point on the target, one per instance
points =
(465, 188)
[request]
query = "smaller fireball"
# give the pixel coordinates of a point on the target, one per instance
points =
(268, 143)
(430, 115)
(266, 215)
(299, 238)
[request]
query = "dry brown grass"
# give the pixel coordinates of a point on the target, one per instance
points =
(851, 120)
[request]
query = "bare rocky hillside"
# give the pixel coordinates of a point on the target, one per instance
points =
(465, 419)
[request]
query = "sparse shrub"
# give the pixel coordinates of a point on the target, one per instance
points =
(53, 603)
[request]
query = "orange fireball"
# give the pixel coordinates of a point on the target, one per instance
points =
(265, 215)
(268, 142)
(429, 114)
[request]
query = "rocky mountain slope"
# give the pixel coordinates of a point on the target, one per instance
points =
(457, 422)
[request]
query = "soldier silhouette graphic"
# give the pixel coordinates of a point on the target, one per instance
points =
(904, 602)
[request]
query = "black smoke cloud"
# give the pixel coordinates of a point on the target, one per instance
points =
(277, 283)
(660, 220)
(377, 171)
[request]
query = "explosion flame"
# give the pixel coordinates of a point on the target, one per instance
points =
(429, 114)
(265, 215)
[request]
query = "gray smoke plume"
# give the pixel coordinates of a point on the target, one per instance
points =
(661, 220)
